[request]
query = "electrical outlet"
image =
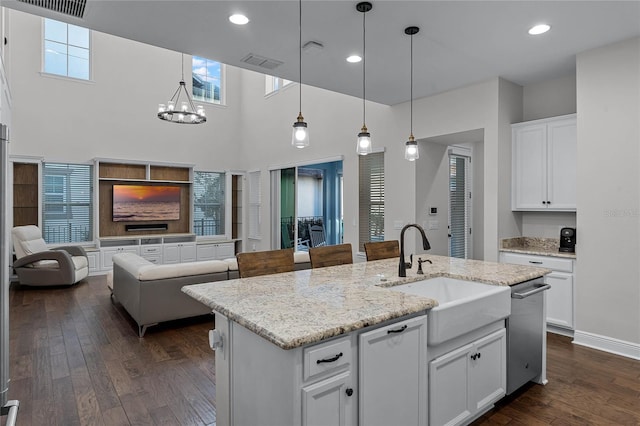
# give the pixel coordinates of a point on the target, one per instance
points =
(398, 224)
(434, 225)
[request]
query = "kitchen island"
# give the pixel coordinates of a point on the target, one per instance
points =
(328, 345)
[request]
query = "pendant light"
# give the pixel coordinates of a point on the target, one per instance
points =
(363, 145)
(300, 136)
(184, 112)
(411, 146)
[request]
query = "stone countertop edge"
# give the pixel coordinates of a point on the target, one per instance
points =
(537, 246)
(340, 299)
(530, 250)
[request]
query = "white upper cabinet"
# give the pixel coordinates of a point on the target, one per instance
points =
(544, 164)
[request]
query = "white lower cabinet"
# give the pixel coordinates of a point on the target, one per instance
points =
(467, 380)
(393, 374)
(215, 251)
(559, 300)
(106, 255)
(324, 403)
(178, 252)
(93, 258)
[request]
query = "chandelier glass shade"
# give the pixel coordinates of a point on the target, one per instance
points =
(181, 112)
(363, 144)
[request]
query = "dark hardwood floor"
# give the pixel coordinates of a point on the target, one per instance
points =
(76, 360)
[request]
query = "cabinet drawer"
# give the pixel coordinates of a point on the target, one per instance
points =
(151, 250)
(555, 263)
(326, 357)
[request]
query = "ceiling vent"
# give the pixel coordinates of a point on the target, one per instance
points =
(261, 61)
(68, 7)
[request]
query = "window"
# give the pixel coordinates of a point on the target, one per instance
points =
(459, 206)
(254, 205)
(371, 190)
(207, 80)
(273, 84)
(67, 205)
(66, 49)
(208, 203)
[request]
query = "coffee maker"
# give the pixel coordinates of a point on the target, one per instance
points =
(568, 240)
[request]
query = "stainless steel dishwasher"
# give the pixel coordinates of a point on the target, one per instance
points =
(525, 333)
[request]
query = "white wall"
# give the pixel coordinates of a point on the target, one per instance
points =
(546, 99)
(114, 115)
(608, 217)
(549, 98)
(432, 190)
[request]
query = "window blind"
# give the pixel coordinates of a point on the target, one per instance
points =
(371, 198)
(208, 203)
(67, 203)
(254, 205)
(458, 208)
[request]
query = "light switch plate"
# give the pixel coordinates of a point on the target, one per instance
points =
(398, 224)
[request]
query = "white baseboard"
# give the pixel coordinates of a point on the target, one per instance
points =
(560, 330)
(607, 344)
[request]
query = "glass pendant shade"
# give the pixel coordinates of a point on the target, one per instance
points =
(411, 151)
(364, 142)
(300, 136)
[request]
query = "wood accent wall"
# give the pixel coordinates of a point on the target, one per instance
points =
(109, 228)
(25, 194)
(125, 173)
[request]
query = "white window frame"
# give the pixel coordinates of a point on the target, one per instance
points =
(459, 151)
(223, 83)
(273, 85)
(255, 205)
(365, 210)
(226, 200)
(43, 73)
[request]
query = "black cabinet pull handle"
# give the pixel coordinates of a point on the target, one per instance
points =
(544, 202)
(349, 391)
(399, 330)
(535, 262)
(332, 359)
(479, 354)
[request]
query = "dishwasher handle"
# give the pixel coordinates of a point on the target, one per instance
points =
(537, 289)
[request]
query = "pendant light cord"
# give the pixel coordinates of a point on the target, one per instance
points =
(300, 51)
(182, 62)
(364, 68)
(411, 87)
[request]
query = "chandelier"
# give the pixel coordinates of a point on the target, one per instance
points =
(181, 112)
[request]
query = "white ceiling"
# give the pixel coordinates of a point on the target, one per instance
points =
(459, 43)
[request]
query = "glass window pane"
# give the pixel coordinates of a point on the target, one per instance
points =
(55, 58)
(78, 68)
(78, 36)
(54, 30)
(77, 52)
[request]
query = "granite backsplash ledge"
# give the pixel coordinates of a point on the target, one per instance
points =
(534, 245)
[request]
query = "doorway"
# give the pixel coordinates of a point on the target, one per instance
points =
(308, 196)
(460, 243)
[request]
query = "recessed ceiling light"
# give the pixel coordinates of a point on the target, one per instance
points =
(238, 19)
(354, 59)
(539, 29)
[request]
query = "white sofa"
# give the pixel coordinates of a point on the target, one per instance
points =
(152, 293)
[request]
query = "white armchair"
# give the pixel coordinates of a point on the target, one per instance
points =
(36, 264)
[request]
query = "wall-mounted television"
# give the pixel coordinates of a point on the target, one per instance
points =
(138, 203)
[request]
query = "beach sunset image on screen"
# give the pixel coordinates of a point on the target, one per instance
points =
(145, 203)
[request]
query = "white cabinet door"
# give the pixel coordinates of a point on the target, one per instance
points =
(544, 165)
(448, 387)
(106, 255)
(323, 403)
(560, 299)
(179, 252)
(206, 252)
(93, 257)
(393, 373)
(529, 167)
(488, 371)
(562, 172)
(225, 250)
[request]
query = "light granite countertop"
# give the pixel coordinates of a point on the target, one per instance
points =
(534, 245)
(302, 307)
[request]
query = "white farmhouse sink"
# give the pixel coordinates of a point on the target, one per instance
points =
(463, 306)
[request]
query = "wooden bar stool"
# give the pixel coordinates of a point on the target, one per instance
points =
(256, 263)
(382, 250)
(321, 257)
